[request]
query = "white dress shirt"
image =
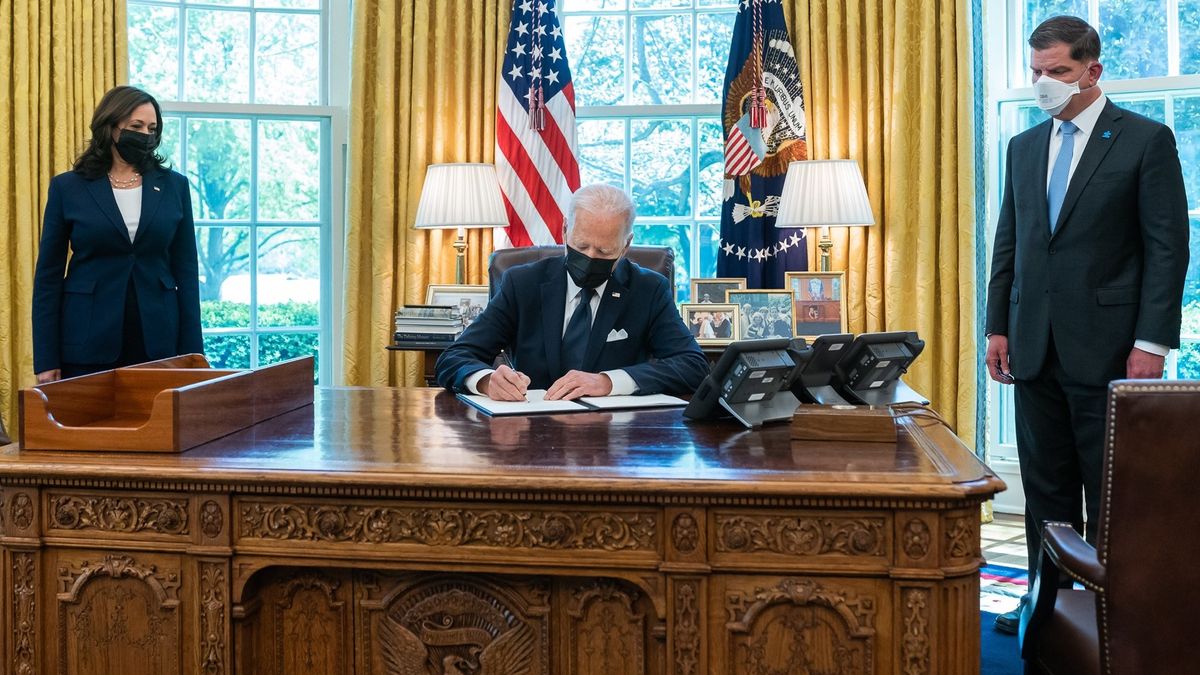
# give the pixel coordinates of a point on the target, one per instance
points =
(1086, 121)
(130, 204)
(622, 382)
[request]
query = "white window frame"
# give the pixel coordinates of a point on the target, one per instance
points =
(332, 113)
(1007, 47)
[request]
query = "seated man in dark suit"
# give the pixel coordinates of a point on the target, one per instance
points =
(590, 323)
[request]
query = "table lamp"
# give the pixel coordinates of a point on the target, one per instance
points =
(460, 196)
(821, 193)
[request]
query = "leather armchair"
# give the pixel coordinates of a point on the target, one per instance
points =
(1141, 583)
(658, 258)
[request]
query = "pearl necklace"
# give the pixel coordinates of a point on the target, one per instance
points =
(124, 184)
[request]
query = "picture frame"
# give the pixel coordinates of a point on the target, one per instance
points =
(819, 302)
(471, 299)
(773, 305)
(714, 287)
(712, 323)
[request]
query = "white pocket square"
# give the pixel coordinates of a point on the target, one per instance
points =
(614, 335)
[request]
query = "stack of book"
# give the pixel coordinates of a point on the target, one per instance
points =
(428, 323)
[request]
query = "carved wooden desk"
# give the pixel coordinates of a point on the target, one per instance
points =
(398, 531)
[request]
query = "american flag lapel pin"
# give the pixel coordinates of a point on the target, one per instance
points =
(616, 294)
(1106, 134)
(156, 189)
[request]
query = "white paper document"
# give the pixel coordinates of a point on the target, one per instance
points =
(533, 404)
(629, 402)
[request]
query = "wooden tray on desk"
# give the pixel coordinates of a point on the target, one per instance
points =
(168, 405)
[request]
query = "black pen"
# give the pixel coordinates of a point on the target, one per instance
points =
(505, 360)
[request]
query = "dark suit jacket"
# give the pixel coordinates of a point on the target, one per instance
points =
(526, 317)
(78, 319)
(1113, 272)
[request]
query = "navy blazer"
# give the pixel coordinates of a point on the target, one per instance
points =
(526, 317)
(77, 316)
(1112, 271)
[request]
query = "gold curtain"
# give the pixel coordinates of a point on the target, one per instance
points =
(888, 83)
(59, 57)
(423, 92)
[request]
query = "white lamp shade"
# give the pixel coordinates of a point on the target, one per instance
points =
(823, 192)
(460, 195)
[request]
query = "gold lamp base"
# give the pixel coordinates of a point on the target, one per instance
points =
(460, 261)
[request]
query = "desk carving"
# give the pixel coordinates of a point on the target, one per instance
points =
(385, 532)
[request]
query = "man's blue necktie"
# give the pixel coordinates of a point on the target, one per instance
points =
(1060, 176)
(575, 338)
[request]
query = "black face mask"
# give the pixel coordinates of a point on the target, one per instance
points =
(588, 272)
(135, 147)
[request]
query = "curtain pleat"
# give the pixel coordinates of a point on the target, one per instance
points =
(59, 57)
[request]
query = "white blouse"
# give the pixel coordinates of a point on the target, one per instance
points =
(130, 204)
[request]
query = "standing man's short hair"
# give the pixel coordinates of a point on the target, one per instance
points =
(600, 198)
(1068, 30)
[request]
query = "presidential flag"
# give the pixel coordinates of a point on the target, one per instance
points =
(535, 128)
(763, 119)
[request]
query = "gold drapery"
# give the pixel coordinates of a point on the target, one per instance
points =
(888, 83)
(423, 92)
(61, 57)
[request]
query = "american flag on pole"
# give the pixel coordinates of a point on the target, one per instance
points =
(535, 127)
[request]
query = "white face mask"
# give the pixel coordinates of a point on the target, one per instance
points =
(1054, 95)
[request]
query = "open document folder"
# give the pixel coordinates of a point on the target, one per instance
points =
(535, 403)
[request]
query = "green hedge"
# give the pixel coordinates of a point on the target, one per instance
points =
(233, 351)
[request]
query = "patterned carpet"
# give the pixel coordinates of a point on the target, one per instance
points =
(1000, 588)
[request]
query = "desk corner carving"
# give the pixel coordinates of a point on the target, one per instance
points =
(21, 511)
(214, 603)
(488, 527)
(800, 536)
(119, 514)
(813, 619)
(917, 538)
(24, 613)
(687, 627)
(212, 520)
(915, 646)
(962, 540)
(685, 533)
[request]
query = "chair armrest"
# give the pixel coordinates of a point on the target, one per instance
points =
(1063, 552)
(1074, 556)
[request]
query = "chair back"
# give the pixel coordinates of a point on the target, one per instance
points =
(658, 258)
(1148, 539)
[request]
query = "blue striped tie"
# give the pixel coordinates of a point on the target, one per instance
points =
(1060, 176)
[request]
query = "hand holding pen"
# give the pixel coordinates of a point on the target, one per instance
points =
(505, 383)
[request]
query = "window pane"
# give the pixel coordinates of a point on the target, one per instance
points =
(1037, 11)
(291, 4)
(154, 50)
(1189, 37)
(1189, 358)
(287, 58)
(1154, 108)
(1133, 33)
(718, 3)
(661, 163)
(276, 347)
(219, 168)
(289, 276)
(710, 237)
(227, 351)
(675, 237)
(224, 256)
(596, 49)
(218, 56)
(661, 57)
(590, 5)
(1187, 134)
(289, 171)
(230, 3)
(169, 146)
(713, 34)
(712, 168)
(659, 4)
(601, 151)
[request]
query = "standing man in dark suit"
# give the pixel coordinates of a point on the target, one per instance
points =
(1088, 269)
(590, 323)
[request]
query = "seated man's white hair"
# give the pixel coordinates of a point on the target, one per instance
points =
(599, 198)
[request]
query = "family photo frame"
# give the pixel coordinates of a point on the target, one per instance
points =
(470, 299)
(764, 313)
(712, 290)
(712, 323)
(819, 304)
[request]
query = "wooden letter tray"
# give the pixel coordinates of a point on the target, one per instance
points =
(161, 406)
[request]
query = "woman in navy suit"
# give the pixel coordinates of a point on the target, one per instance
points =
(132, 291)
